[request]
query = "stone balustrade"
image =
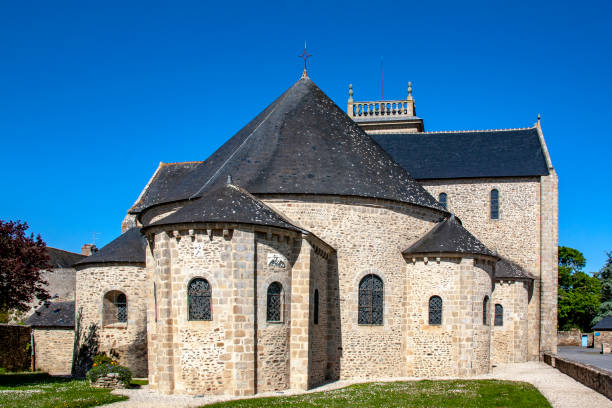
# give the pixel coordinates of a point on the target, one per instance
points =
(391, 109)
(376, 110)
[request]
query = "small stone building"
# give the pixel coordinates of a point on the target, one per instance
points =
(53, 337)
(318, 245)
(602, 332)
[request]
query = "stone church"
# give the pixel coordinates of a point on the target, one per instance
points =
(318, 244)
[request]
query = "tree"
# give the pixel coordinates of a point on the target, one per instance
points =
(605, 278)
(22, 260)
(579, 293)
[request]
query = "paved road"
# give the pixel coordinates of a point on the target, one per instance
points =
(586, 355)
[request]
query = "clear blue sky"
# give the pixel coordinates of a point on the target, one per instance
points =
(93, 95)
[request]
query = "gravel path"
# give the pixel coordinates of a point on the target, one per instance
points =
(562, 391)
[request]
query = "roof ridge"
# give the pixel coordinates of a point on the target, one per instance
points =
(480, 130)
(184, 162)
(63, 250)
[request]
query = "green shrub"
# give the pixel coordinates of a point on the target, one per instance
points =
(104, 365)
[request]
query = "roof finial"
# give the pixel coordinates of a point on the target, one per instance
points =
(350, 93)
(409, 90)
(305, 56)
(229, 179)
(538, 122)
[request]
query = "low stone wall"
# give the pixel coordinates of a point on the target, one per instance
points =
(53, 350)
(14, 349)
(111, 380)
(569, 338)
(592, 377)
(604, 337)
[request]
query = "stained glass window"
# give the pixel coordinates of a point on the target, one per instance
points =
(485, 310)
(435, 310)
(499, 315)
(273, 311)
(316, 306)
(494, 204)
(442, 199)
(199, 293)
(371, 294)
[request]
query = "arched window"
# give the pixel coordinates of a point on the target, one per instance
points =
(275, 303)
(371, 294)
(442, 199)
(435, 310)
(499, 315)
(485, 310)
(316, 306)
(494, 204)
(115, 307)
(198, 295)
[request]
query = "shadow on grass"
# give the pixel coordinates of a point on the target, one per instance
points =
(21, 379)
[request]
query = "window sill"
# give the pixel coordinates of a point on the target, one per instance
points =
(115, 326)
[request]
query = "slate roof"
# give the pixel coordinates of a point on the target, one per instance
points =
(162, 182)
(59, 258)
(507, 269)
(129, 247)
(302, 143)
(490, 153)
(228, 204)
(53, 314)
(449, 236)
(604, 324)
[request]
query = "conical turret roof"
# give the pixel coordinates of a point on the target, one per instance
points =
(449, 236)
(302, 143)
(228, 204)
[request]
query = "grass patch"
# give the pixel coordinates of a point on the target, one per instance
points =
(422, 394)
(38, 390)
(138, 383)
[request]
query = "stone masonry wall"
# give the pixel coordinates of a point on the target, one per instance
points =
(549, 261)
(53, 350)
(193, 357)
(369, 236)
(272, 337)
(238, 352)
(127, 341)
(460, 345)
(515, 235)
(510, 339)
(14, 353)
(605, 336)
(318, 332)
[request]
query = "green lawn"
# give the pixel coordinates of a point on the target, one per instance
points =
(37, 390)
(452, 393)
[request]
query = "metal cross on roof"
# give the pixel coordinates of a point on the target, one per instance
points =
(305, 55)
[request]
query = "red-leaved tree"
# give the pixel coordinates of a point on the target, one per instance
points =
(22, 260)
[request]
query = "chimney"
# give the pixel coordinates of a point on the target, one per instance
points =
(88, 249)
